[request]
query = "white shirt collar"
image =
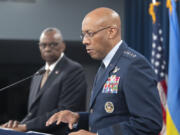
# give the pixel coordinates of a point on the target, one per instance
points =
(110, 55)
(52, 66)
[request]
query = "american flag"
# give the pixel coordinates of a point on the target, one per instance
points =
(158, 62)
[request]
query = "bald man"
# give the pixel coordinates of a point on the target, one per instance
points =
(125, 99)
(63, 88)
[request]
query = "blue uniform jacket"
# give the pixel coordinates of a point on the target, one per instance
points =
(125, 101)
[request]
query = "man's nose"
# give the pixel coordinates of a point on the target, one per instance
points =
(85, 40)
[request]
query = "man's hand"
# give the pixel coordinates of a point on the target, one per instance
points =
(10, 124)
(82, 132)
(65, 116)
(21, 128)
(15, 126)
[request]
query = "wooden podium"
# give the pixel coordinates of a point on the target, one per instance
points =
(4, 131)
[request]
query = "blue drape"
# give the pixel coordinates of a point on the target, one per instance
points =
(138, 26)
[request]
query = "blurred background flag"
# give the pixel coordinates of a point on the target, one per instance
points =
(157, 57)
(173, 98)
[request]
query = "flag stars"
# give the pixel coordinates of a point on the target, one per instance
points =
(160, 31)
(153, 45)
(152, 61)
(163, 66)
(162, 74)
(159, 48)
(156, 71)
(161, 39)
(158, 56)
(157, 63)
(154, 37)
(153, 53)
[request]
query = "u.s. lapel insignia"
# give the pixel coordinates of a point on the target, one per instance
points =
(116, 69)
(56, 72)
(109, 107)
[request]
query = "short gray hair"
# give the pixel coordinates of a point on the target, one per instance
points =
(51, 29)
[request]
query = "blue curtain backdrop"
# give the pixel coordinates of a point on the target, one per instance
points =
(138, 25)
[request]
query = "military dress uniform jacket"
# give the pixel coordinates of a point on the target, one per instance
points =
(125, 100)
(65, 88)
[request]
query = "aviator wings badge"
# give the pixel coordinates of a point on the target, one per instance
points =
(116, 69)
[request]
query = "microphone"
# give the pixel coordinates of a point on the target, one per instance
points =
(40, 72)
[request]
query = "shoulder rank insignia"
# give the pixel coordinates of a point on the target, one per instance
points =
(130, 53)
(116, 69)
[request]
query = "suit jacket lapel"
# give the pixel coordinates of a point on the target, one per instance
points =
(51, 78)
(35, 87)
(97, 87)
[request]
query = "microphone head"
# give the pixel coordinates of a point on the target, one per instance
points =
(40, 72)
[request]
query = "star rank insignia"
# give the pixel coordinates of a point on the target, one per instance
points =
(130, 54)
(116, 69)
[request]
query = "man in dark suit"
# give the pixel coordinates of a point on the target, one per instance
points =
(125, 99)
(61, 87)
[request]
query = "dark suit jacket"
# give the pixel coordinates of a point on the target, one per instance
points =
(125, 101)
(65, 88)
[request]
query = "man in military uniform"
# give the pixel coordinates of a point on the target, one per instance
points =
(125, 99)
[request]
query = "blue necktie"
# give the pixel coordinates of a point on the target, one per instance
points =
(100, 72)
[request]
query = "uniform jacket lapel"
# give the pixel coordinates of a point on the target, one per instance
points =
(97, 87)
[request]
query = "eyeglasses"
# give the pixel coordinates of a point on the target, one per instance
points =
(51, 45)
(91, 34)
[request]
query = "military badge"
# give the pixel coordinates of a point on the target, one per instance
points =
(129, 53)
(111, 85)
(109, 107)
(116, 69)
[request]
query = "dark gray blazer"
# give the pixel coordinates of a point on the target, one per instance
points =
(65, 88)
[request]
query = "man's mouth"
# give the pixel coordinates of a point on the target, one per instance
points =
(89, 51)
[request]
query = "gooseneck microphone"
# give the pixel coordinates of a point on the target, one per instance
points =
(40, 72)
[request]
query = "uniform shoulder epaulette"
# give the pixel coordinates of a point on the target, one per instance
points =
(129, 53)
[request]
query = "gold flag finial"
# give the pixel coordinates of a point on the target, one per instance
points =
(169, 5)
(151, 10)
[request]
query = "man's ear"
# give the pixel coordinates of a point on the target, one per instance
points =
(113, 31)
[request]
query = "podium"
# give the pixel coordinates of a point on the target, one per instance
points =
(4, 131)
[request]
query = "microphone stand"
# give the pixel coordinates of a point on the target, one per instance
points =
(37, 73)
